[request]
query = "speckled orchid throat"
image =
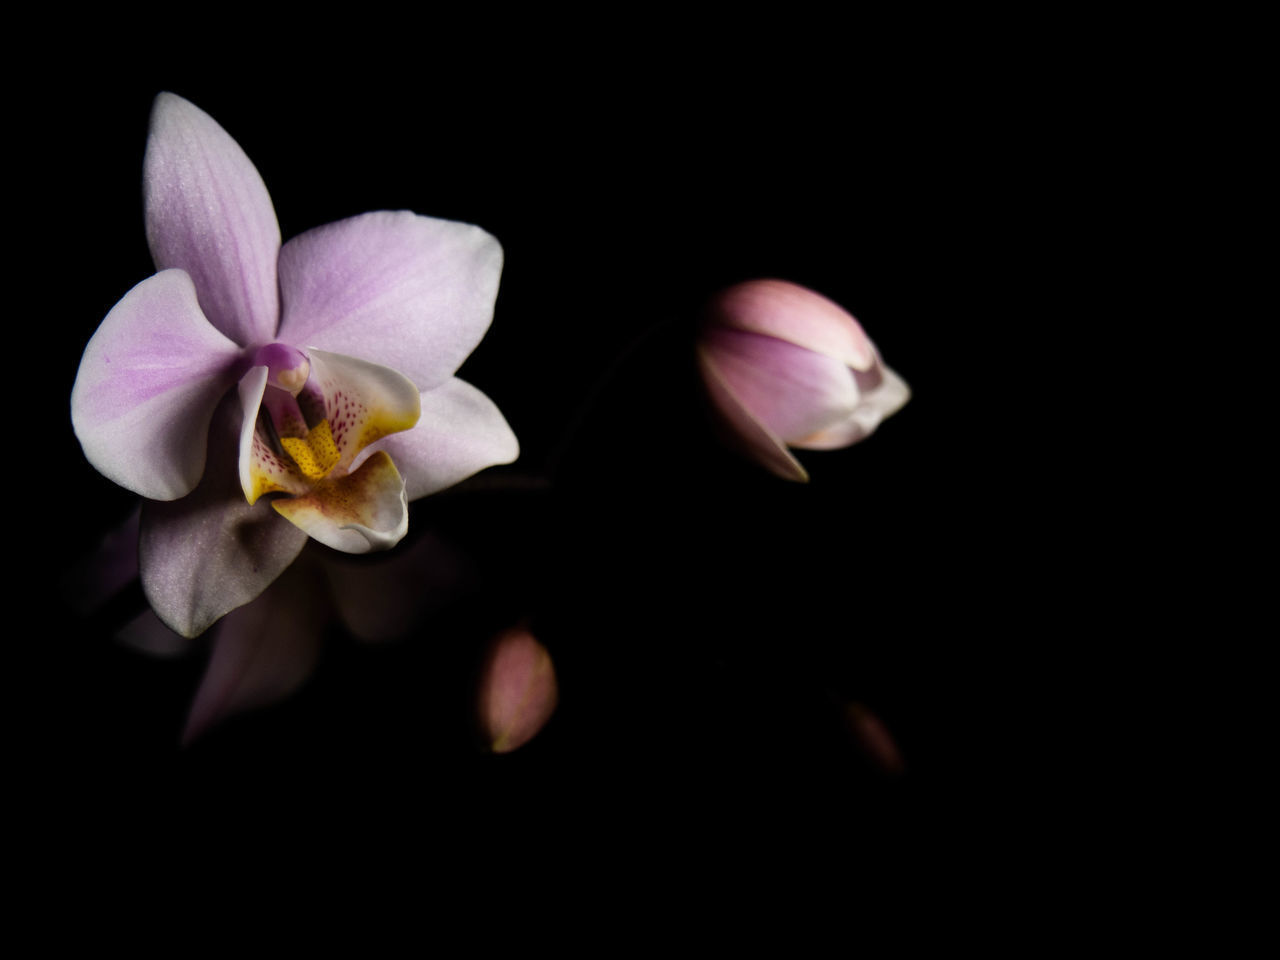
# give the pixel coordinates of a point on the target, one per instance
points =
(310, 419)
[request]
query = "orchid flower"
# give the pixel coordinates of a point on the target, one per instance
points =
(341, 345)
(786, 367)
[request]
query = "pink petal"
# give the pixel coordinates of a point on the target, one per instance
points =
(744, 431)
(211, 552)
(874, 405)
(518, 691)
(208, 212)
(262, 652)
(460, 432)
(791, 390)
(787, 311)
(407, 292)
(147, 387)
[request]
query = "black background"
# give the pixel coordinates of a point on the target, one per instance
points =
(708, 622)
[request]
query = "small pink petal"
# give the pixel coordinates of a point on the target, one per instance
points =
(792, 391)
(788, 311)
(518, 691)
(744, 431)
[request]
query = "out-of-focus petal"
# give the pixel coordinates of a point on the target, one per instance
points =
(798, 315)
(147, 634)
(408, 292)
(363, 511)
(744, 430)
(210, 552)
(460, 432)
(208, 212)
(147, 387)
(874, 405)
(94, 579)
(387, 597)
(518, 691)
(364, 402)
(792, 391)
(263, 651)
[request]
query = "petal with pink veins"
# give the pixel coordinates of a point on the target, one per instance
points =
(744, 430)
(792, 391)
(208, 212)
(797, 315)
(363, 402)
(404, 291)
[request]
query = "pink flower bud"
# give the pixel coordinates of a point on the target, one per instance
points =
(786, 367)
(517, 690)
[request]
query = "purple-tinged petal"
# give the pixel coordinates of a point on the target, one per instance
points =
(262, 652)
(363, 511)
(792, 391)
(874, 405)
(798, 315)
(208, 212)
(205, 555)
(745, 431)
(147, 387)
(408, 292)
(460, 432)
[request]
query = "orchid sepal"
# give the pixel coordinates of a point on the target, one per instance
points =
(149, 381)
(208, 212)
(204, 555)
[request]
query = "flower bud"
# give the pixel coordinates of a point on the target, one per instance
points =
(517, 690)
(786, 367)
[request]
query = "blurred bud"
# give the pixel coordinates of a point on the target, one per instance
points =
(786, 367)
(873, 738)
(517, 690)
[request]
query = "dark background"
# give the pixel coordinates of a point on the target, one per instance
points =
(709, 623)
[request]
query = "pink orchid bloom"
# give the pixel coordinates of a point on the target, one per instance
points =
(786, 367)
(342, 343)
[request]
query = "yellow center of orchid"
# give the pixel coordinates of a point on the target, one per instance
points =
(316, 453)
